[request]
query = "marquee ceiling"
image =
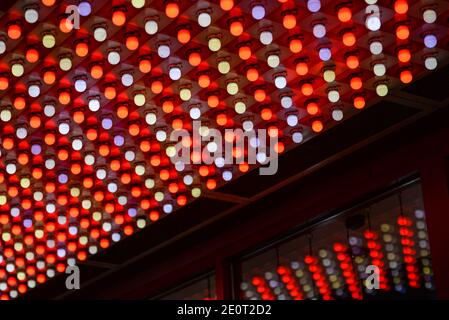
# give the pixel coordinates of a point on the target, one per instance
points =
(86, 111)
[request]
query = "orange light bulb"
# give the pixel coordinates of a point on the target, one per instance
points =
(172, 10)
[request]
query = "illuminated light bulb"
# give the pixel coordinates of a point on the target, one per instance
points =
(84, 8)
(402, 32)
(273, 60)
(401, 6)
(65, 25)
(314, 5)
(96, 72)
(214, 44)
(356, 83)
(212, 101)
(312, 108)
(163, 51)
(406, 76)
(113, 57)
(280, 81)
(185, 94)
(289, 21)
(156, 87)
(376, 47)
(226, 4)
(266, 114)
(240, 107)
(302, 68)
(168, 106)
(4, 83)
(132, 43)
(404, 55)
(172, 10)
(145, 65)
(382, 90)
(174, 73)
(32, 55)
(259, 95)
(329, 75)
(359, 102)
(122, 111)
(266, 37)
(295, 45)
(307, 89)
(297, 137)
(65, 63)
(203, 81)
(232, 88)
(64, 97)
(194, 59)
(333, 95)
(224, 67)
(34, 91)
(14, 31)
(236, 28)
(195, 113)
(150, 118)
(286, 102)
(325, 54)
(48, 41)
(430, 41)
(429, 15)
(337, 114)
(319, 30)
(127, 79)
(344, 14)
(17, 69)
(139, 99)
(118, 18)
(2, 46)
(252, 74)
(349, 39)
(151, 27)
(292, 120)
(100, 34)
(317, 126)
(352, 62)
(31, 15)
(430, 63)
(48, 3)
(379, 69)
(373, 22)
(19, 103)
(221, 119)
(183, 36)
(258, 12)
(204, 19)
(81, 49)
(94, 105)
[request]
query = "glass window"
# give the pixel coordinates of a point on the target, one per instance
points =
(379, 249)
(202, 288)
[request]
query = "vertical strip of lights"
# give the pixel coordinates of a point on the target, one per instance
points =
(429, 15)
(262, 288)
(373, 23)
(376, 255)
(288, 278)
(408, 243)
(304, 278)
(318, 277)
(393, 255)
(345, 263)
(335, 277)
(404, 56)
(424, 248)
